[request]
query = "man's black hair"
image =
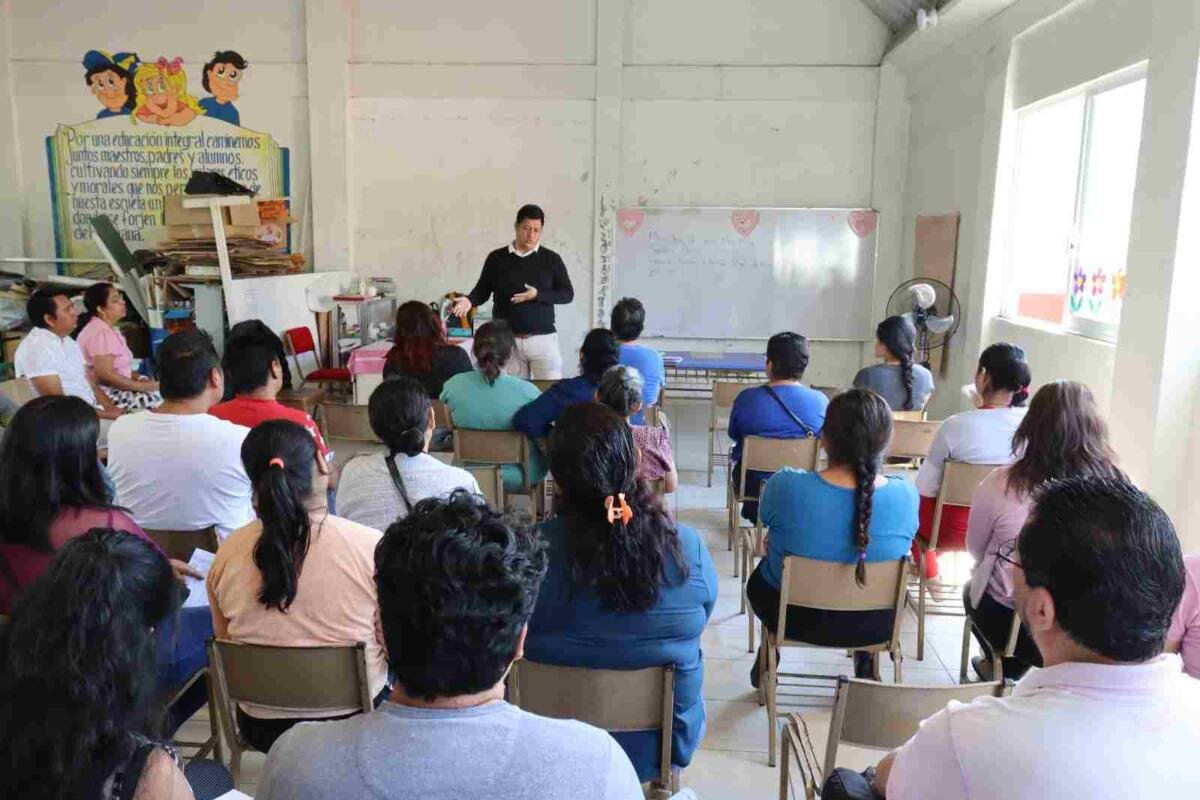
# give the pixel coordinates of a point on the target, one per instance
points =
(221, 57)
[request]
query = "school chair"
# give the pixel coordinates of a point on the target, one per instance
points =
(761, 454)
(614, 700)
(308, 679)
(180, 544)
(346, 421)
(871, 715)
(441, 414)
(959, 481)
(1010, 645)
(473, 446)
(19, 390)
(491, 483)
(723, 395)
(544, 384)
(910, 416)
(213, 743)
(829, 586)
(298, 342)
(911, 440)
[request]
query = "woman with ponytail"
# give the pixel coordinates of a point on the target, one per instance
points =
(273, 581)
(983, 435)
(848, 513)
(106, 352)
(904, 385)
(626, 588)
(488, 398)
(376, 490)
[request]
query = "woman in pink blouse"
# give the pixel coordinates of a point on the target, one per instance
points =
(621, 390)
(107, 353)
(1062, 435)
(1184, 635)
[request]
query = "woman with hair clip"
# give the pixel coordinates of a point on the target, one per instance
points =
(848, 513)
(488, 398)
(621, 389)
(904, 385)
(376, 490)
(983, 435)
(626, 587)
(106, 352)
(1062, 435)
(79, 702)
(272, 581)
(421, 350)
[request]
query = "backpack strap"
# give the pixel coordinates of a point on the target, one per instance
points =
(809, 433)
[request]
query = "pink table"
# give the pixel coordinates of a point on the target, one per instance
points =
(369, 360)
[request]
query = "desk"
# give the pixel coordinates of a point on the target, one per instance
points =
(692, 374)
(366, 366)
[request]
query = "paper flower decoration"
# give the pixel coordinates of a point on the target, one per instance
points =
(1099, 278)
(1118, 285)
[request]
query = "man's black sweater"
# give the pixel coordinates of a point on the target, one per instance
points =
(506, 274)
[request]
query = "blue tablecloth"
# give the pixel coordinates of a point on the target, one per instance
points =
(741, 362)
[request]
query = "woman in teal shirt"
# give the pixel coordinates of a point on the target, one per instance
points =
(487, 398)
(849, 513)
(621, 592)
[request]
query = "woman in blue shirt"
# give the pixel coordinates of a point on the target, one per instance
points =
(626, 587)
(628, 320)
(848, 513)
(600, 351)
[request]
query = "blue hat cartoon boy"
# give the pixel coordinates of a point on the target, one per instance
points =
(221, 77)
(110, 79)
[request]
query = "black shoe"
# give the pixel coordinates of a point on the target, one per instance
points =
(864, 665)
(754, 676)
(983, 668)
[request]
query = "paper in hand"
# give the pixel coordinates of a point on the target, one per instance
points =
(201, 561)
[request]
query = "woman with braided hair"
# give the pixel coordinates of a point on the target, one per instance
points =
(904, 385)
(848, 513)
(626, 587)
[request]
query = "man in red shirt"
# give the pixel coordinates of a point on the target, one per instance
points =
(253, 370)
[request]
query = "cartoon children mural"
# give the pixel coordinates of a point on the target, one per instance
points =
(110, 79)
(221, 77)
(162, 96)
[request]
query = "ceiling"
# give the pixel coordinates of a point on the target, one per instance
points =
(898, 13)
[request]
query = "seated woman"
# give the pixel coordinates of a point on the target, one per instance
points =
(421, 350)
(1184, 635)
(274, 581)
(621, 390)
(848, 513)
(487, 399)
(627, 322)
(981, 436)
(600, 351)
(782, 409)
(376, 490)
(626, 588)
(904, 385)
(106, 352)
(78, 710)
(1063, 434)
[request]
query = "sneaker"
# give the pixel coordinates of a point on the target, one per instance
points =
(983, 668)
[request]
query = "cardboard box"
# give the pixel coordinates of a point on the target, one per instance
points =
(244, 215)
(205, 231)
(175, 214)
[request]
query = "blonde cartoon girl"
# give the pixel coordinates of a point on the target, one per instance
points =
(162, 96)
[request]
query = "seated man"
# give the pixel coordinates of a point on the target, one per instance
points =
(628, 319)
(782, 409)
(177, 467)
(1097, 574)
(51, 359)
(255, 374)
(457, 586)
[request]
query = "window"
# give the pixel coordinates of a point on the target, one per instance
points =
(1072, 199)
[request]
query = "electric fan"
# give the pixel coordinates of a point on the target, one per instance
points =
(932, 308)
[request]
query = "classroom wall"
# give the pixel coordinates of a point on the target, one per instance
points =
(45, 41)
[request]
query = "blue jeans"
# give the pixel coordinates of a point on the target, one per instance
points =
(181, 653)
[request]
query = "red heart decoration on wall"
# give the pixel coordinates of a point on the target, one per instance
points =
(630, 219)
(863, 223)
(744, 221)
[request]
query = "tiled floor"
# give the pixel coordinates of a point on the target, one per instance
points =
(732, 760)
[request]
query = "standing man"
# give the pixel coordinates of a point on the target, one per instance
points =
(527, 280)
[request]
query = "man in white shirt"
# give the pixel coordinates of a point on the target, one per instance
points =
(177, 467)
(51, 359)
(1097, 573)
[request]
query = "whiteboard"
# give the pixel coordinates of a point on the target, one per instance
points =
(730, 273)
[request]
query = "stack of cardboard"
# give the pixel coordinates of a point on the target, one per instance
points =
(257, 235)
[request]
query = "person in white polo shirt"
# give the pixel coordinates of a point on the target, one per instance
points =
(1097, 572)
(177, 467)
(51, 359)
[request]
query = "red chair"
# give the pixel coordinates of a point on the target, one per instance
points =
(299, 341)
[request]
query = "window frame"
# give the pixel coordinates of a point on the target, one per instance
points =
(1071, 323)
